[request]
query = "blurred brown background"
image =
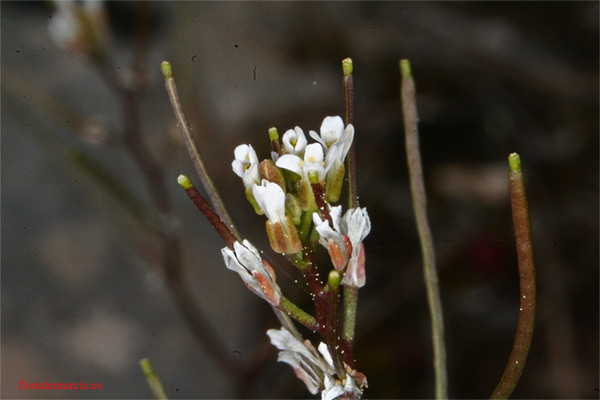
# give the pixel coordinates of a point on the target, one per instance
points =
(82, 300)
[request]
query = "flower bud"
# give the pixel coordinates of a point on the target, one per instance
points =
(335, 181)
(283, 237)
(270, 172)
(305, 195)
(292, 207)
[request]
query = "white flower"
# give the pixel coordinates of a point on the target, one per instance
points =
(335, 139)
(332, 129)
(312, 163)
(303, 358)
(314, 369)
(331, 238)
(357, 225)
(245, 165)
(71, 25)
(335, 388)
(258, 276)
(271, 199)
(338, 150)
(294, 141)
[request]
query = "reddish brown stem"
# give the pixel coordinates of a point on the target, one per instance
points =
(524, 246)
(211, 216)
(321, 204)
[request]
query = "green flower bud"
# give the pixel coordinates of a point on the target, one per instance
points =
(335, 182)
(270, 172)
(292, 208)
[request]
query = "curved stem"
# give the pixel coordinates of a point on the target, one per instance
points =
(417, 188)
(524, 245)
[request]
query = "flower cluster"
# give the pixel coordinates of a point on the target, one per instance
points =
(296, 190)
(315, 368)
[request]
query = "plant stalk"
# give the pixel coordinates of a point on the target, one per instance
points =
(417, 188)
(520, 212)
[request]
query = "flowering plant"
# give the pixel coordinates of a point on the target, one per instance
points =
(297, 189)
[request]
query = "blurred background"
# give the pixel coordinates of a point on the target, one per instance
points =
(84, 294)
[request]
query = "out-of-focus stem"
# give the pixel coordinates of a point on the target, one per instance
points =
(190, 144)
(347, 68)
(153, 380)
(524, 245)
(350, 294)
(417, 188)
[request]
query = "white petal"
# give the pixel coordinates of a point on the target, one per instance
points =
(336, 217)
(251, 176)
(284, 340)
(249, 256)
(290, 162)
(332, 129)
(325, 232)
(313, 160)
(245, 154)
(313, 153)
(358, 225)
(231, 262)
(316, 136)
(294, 141)
(325, 353)
(271, 199)
(303, 372)
(332, 390)
(238, 168)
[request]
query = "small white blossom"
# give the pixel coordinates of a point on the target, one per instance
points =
(245, 165)
(271, 199)
(294, 141)
(314, 369)
(259, 277)
(331, 238)
(312, 163)
(71, 24)
(357, 225)
(302, 357)
(332, 129)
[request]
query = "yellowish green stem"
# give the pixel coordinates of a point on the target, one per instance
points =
(153, 380)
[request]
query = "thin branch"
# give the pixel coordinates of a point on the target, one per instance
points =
(347, 68)
(206, 209)
(190, 144)
(153, 380)
(524, 245)
(417, 187)
(171, 262)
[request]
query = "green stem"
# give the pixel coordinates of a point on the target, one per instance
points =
(298, 314)
(153, 380)
(348, 325)
(417, 188)
(524, 245)
(190, 144)
(332, 289)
